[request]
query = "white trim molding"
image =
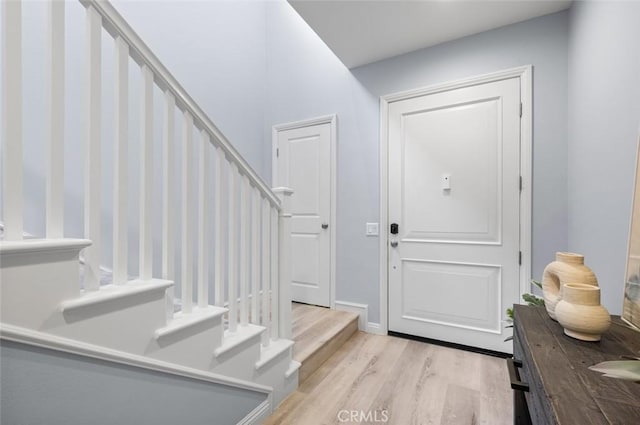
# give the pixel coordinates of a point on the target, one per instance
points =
(362, 310)
(524, 73)
(332, 120)
(259, 414)
(376, 329)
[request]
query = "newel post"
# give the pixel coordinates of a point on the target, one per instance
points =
(284, 261)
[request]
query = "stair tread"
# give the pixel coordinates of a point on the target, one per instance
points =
(233, 339)
(114, 292)
(318, 333)
(183, 320)
(34, 245)
(326, 327)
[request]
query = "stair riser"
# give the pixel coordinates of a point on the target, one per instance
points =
(191, 347)
(35, 283)
(239, 362)
(274, 375)
(126, 324)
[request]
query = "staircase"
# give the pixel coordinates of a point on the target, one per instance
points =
(222, 312)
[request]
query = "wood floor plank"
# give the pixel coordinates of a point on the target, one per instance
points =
(461, 407)
(413, 382)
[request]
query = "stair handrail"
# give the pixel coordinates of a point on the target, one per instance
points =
(116, 26)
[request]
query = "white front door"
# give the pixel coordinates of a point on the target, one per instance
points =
(454, 190)
(304, 165)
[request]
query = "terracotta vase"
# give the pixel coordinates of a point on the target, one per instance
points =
(568, 268)
(580, 312)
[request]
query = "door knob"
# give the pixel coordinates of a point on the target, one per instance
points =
(394, 244)
(325, 225)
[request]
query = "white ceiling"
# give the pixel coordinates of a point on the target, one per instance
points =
(364, 31)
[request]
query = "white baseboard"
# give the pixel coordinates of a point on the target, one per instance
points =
(374, 328)
(257, 415)
(362, 310)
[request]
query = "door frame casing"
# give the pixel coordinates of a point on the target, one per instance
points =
(524, 73)
(332, 121)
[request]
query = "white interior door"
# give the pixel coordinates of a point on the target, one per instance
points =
(304, 165)
(454, 190)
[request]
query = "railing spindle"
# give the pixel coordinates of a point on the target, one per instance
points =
(55, 115)
(12, 161)
(232, 255)
(203, 220)
(255, 256)
(266, 272)
(120, 163)
(245, 221)
(187, 241)
(275, 310)
(93, 154)
(168, 203)
(218, 229)
(146, 175)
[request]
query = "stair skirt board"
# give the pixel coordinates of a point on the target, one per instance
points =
(45, 340)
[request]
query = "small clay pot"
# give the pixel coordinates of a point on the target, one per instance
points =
(580, 312)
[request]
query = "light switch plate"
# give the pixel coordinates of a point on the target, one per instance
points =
(372, 229)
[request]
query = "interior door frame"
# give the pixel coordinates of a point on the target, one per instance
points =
(524, 73)
(332, 121)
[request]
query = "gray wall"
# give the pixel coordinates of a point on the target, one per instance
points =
(604, 118)
(217, 51)
(44, 387)
(541, 42)
(305, 80)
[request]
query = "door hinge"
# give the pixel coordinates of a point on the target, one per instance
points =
(277, 152)
(520, 109)
(520, 257)
(520, 184)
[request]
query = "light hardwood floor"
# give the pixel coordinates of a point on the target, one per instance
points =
(405, 382)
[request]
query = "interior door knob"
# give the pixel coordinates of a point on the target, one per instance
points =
(394, 244)
(325, 225)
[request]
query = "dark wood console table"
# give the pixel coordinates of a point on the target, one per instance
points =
(555, 386)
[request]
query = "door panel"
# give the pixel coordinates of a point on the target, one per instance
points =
(454, 191)
(427, 214)
(304, 166)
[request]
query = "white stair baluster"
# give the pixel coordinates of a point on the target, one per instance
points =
(92, 153)
(120, 163)
(255, 256)
(232, 254)
(168, 202)
(146, 175)
(245, 217)
(203, 220)
(55, 117)
(12, 161)
(275, 310)
(266, 272)
(187, 199)
(218, 212)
